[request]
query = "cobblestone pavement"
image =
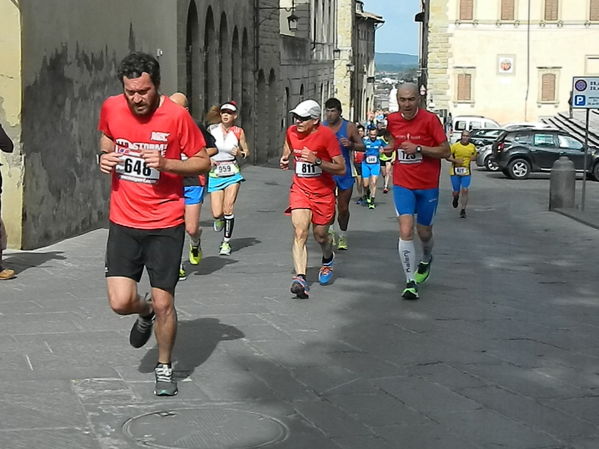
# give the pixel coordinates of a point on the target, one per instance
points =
(502, 349)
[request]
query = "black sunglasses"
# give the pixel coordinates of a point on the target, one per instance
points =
(301, 119)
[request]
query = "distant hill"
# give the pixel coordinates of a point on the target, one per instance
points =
(394, 61)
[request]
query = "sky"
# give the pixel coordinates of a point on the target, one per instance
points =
(399, 34)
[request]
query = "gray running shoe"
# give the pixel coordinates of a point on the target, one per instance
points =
(165, 384)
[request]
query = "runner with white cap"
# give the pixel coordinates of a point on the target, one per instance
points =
(317, 158)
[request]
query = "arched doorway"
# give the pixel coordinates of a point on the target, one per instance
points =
(273, 122)
(247, 107)
(211, 94)
(286, 122)
(236, 68)
(262, 102)
(224, 72)
(192, 66)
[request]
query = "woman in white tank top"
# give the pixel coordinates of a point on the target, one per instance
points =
(224, 179)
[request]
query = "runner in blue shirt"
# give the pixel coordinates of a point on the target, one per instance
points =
(371, 167)
(349, 139)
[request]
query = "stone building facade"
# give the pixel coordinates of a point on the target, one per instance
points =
(354, 58)
(58, 63)
(364, 69)
(511, 60)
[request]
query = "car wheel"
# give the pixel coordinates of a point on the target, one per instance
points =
(490, 164)
(519, 169)
(595, 172)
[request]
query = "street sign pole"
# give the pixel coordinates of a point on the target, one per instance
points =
(586, 154)
(585, 95)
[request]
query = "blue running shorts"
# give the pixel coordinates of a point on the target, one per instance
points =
(344, 182)
(222, 183)
(194, 194)
(460, 182)
(422, 203)
(369, 170)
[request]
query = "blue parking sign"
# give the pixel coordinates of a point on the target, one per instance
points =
(580, 100)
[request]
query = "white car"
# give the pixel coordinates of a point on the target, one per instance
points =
(469, 122)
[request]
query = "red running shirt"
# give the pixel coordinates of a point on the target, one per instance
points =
(142, 197)
(309, 177)
(416, 171)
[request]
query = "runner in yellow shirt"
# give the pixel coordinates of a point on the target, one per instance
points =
(462, 154)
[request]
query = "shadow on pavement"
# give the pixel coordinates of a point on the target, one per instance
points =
(245, 242)
(21, 261)
(208, 265)
(196, 340)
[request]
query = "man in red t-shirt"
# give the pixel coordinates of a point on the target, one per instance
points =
(420, 142)
(312, 196)
(144, 135)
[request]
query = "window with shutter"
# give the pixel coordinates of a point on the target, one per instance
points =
(548, 87)
(507, 10)
(466, 9)
(551, 7)
(464, 87)
(594, 11)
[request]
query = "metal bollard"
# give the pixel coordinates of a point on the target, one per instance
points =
(562, 184)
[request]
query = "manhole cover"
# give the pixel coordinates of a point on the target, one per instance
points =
(205, 428)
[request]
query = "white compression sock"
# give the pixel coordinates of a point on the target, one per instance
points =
(407, 254)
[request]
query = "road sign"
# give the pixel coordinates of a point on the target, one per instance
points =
(585, 92)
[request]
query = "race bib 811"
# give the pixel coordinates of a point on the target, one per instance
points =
(307, 170)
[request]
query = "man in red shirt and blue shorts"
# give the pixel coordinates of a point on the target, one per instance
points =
(420, 142)
(317, 158)
(144, 135)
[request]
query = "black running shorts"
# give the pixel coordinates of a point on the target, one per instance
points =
(128, 250)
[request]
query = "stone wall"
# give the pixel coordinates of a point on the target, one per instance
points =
(439, 53)
(73, 48)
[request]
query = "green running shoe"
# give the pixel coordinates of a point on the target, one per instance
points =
(423, 271)
(225, 249)
(195, 254)
(333, 237)
(342, 243)
(219, 224)
(182, 273)
(411, 291)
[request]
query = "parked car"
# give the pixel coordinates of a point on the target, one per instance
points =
(484, 158)
(469, 122)
(520, 125)
(522, 151)
(482, 137)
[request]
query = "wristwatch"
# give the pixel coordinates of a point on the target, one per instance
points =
(418, 149)
(318, 162)
(99, 155)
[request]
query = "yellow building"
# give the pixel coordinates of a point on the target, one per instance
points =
(511, 60)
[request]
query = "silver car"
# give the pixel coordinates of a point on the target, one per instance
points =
(484, 158)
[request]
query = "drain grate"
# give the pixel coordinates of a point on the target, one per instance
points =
(205, 428)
